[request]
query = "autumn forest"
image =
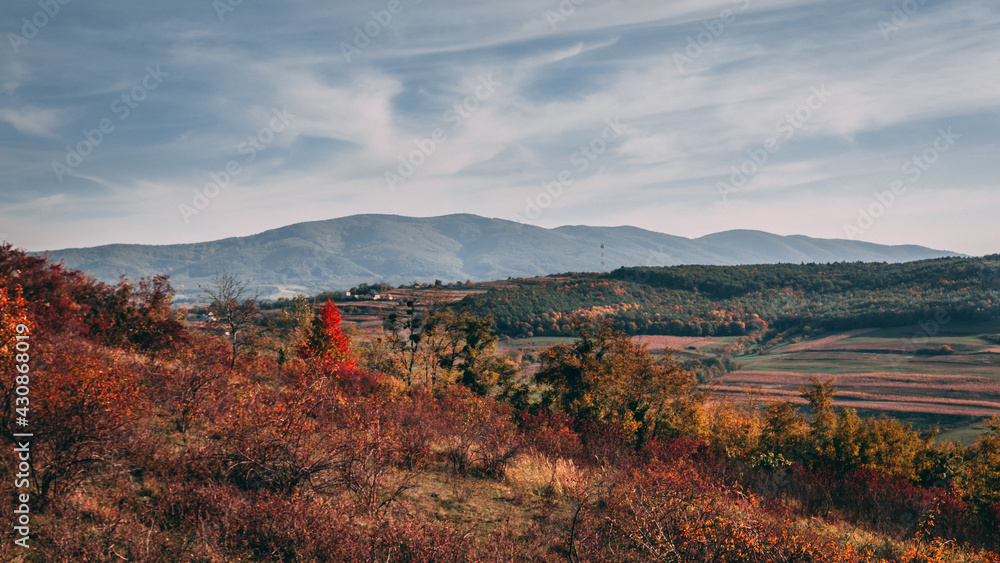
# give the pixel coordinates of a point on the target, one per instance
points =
(291, 431)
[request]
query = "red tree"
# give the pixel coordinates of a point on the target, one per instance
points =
(326, 341)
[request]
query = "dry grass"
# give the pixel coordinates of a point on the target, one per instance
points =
(537, 474)
(879, 547)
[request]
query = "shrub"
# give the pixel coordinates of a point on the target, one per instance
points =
(942, 350)
(550, 433)
(83, 402)
(280, 455)
(479, 434)
(898, 507)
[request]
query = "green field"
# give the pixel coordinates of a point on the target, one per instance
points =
(880, 371)
(854, 362)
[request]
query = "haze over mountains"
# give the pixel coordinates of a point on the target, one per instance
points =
(337, 254)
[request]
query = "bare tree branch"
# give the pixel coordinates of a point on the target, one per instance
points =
(235, 306)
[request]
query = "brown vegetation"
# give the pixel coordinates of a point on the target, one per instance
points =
(429, 446)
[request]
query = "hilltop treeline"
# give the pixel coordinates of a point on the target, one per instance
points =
(746, 300)
(292, 441)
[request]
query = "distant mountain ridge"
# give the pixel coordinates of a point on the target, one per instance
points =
(340, 253)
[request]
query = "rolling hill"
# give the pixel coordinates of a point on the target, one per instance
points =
(340, 253)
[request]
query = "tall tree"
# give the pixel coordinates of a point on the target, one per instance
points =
(982, 471)
(325, 340)
(823, 427)
(470, 348)
(605, 376)
(414, 337)
(235, 306)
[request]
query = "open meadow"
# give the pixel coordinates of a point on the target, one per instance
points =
(950, 378)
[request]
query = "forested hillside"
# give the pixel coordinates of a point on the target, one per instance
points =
(748, 300)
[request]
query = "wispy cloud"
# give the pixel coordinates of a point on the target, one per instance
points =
(32, 120)
(558, 72)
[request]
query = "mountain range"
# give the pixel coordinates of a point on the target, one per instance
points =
(337, 254)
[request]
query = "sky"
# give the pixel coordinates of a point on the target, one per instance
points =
(175, 122)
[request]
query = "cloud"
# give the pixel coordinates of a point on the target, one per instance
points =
(32, 120)
(556, 82)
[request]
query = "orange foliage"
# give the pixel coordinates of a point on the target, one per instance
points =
(82, 401)
(671, 512)
(13, 323)
(270, 439)
(13, 312)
